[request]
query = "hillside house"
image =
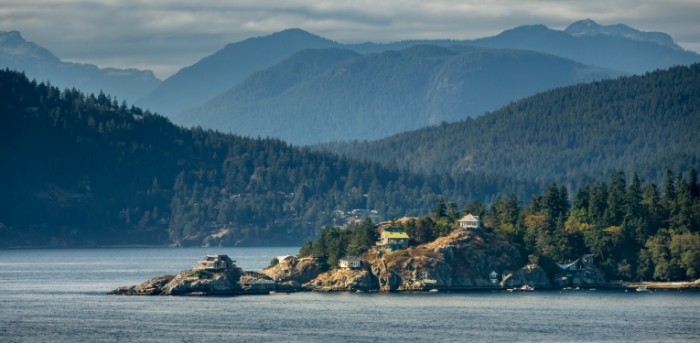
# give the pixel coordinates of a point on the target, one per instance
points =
(216, 263)
(581, 272)
(470, 222)
(350, 262)
(393, 240)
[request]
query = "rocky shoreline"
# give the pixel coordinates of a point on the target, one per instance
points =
(465, 260)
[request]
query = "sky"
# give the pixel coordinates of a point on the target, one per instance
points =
(167, 35)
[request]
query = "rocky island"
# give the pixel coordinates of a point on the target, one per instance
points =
(465, 259)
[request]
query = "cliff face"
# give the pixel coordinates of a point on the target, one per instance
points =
(530, 275)
(459, 261)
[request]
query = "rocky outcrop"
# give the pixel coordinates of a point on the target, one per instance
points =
(460, 261)
(188, 282)
(152, 286)
(344, 280)
(294, 271)
(201, 282)
(531, 275)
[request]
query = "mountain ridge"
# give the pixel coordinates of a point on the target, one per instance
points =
(370, 96)
(569, 133)
(39, 63)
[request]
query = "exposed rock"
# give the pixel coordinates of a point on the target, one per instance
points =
(294, 271)
(152, 286)
(344, 280)
(530, 275)
(205, 283)
(461, 260)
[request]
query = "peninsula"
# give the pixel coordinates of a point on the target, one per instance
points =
(468, 258)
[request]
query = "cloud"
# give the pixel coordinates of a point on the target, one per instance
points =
(166, 35)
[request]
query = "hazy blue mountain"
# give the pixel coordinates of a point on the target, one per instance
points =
(638, 123)
(591, 28)
(39, 63)
(332, 94)
(614, 47)
(212, 75)
(617, 47)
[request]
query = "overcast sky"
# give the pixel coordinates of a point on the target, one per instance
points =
(166, 35)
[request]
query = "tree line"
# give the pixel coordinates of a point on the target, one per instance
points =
(635, 230)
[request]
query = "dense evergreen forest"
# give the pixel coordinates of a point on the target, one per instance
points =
(641, 124)
(635, 230)
(83, 170)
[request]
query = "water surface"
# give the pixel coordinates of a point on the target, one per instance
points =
(59, 296)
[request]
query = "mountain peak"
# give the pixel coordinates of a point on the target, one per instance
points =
(11, 37)
(13, 45)
(588, 27)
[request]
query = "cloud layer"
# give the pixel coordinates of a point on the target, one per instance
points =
(166, 35)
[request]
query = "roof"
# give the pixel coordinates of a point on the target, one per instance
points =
(350, 258)
(217, 257)
(469, 218)
(394, 234)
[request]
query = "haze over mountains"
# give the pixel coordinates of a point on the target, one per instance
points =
(397, 85)
(39, 63)
(261, 86)
(631, 124)
(330, 94)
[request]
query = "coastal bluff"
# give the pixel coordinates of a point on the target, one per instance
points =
(462, 260)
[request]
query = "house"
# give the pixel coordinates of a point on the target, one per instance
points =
(470, 222)
(393, 240)
(216, 263)
(581, 272)
(350, 262)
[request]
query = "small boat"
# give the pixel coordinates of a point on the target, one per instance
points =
(527, 288)
(434, 290)
(643, 288)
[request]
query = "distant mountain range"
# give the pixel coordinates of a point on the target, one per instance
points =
(631, 124)
(212, 75)
(260, 86)
(40, 64)
(217, 92)
(335, 94)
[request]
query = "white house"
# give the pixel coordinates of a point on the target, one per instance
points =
(470, 222)
(350, 262)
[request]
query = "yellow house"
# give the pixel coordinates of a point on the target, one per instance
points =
(393, 240)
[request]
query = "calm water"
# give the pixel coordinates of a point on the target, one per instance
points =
(59, 296)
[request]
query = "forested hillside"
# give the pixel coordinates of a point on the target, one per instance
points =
(640, 123)
(635, 230)
(81, 170)
(334, 94)
(41, 64)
